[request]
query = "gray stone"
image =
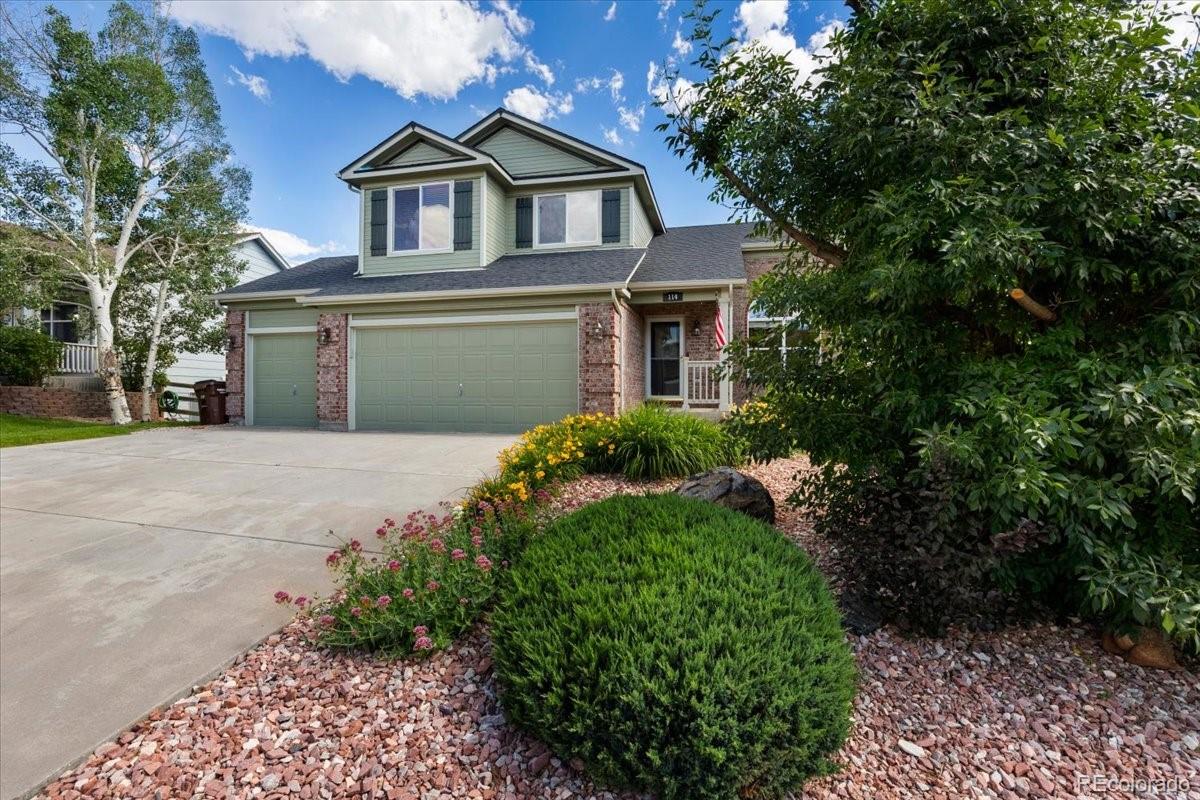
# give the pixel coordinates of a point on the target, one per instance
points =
(727, 487)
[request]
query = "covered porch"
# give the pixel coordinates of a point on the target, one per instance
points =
(676, 349)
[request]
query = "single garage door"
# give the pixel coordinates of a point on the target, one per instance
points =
(502, 377)
(285, 379)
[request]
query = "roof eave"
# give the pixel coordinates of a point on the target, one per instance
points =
(456, 294)
(279, 294)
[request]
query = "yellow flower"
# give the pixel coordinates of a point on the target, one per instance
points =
(540, 474)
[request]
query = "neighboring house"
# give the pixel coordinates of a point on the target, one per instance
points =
(67, 320)
(261, 259)
(505, 277)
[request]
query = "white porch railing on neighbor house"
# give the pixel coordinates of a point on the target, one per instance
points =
(701, 383)
(77, 359)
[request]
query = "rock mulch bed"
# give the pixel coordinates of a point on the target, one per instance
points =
(1013, 714)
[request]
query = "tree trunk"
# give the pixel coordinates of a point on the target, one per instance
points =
(108, 363)
(152, 350)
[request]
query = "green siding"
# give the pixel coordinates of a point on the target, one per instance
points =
(285, 379)
(283, 318)
(510, 217)
(497, 210)
(640, 229)
(524, 156)
(391, 265)
(502, 377)
(422, 153)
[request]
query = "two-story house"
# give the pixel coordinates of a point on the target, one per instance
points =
(505, 277)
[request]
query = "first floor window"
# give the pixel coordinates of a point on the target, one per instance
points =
(58, 321)
(421, 218)
(666, 349)
(568, 218)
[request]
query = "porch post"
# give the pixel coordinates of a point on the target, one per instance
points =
(726, 310)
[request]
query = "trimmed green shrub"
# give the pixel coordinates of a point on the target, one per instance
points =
(675, 646)
(647, 443)
(27, 355)
(654, 442)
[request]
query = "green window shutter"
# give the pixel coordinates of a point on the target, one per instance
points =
(524, 222)
(463, 191)
(610, 216)
(379, 222)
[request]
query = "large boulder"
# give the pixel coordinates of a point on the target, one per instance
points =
(727, 487)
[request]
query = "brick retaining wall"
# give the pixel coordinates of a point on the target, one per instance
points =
(34, 401)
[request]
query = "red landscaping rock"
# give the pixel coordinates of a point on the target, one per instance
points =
(1011, 714)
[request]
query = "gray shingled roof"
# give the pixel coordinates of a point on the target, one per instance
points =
(694, 253)
(334, 275)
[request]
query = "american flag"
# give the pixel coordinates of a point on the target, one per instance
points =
(720, 329)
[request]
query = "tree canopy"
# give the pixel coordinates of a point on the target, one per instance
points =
(119, 119)
(992, 215)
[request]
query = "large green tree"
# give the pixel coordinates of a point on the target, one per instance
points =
(165, 306)
(112, 116)
(992, 211)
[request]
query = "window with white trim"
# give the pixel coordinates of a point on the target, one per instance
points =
(421, 218)
(567, 218)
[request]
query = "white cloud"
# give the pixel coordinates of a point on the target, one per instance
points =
(664, 8)
(394, 43)
(611, 14)
(680, 45)
(765, 22)
(651, 77)
(632, 118)
(255, 83)
(756, 17)
(538, 106)
(538, 68)
(612, 136)
(615, 83)
(292, 246)
(674, 96)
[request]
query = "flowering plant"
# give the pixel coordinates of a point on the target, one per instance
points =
(425, 582)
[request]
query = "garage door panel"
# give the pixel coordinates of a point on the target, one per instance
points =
(513, 375)
(285, 379)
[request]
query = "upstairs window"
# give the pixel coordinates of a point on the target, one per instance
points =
(569, 218)
(421, 218)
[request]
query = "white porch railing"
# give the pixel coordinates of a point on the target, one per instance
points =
(701, 383)
(77, 359)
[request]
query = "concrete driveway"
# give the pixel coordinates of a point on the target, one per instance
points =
(132, 568)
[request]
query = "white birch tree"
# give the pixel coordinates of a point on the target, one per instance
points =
(110, 116)
(167, 303)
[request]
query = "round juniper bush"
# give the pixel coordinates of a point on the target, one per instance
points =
(675, 646)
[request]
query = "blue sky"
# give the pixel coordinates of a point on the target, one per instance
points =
(305, 88)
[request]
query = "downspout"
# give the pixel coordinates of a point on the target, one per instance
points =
(362, 212)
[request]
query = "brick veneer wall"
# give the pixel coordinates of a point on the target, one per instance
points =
(633, 357)
(235, 367)
(599, 370)
(332, 374)
(757, 265)
(34, 401)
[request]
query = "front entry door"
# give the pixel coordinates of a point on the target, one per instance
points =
(666, 348)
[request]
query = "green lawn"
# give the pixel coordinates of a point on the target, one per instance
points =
(16, 430)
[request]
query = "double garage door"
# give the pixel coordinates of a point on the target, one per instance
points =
(502, 377)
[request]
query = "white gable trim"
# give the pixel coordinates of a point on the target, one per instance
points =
(415, 131)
